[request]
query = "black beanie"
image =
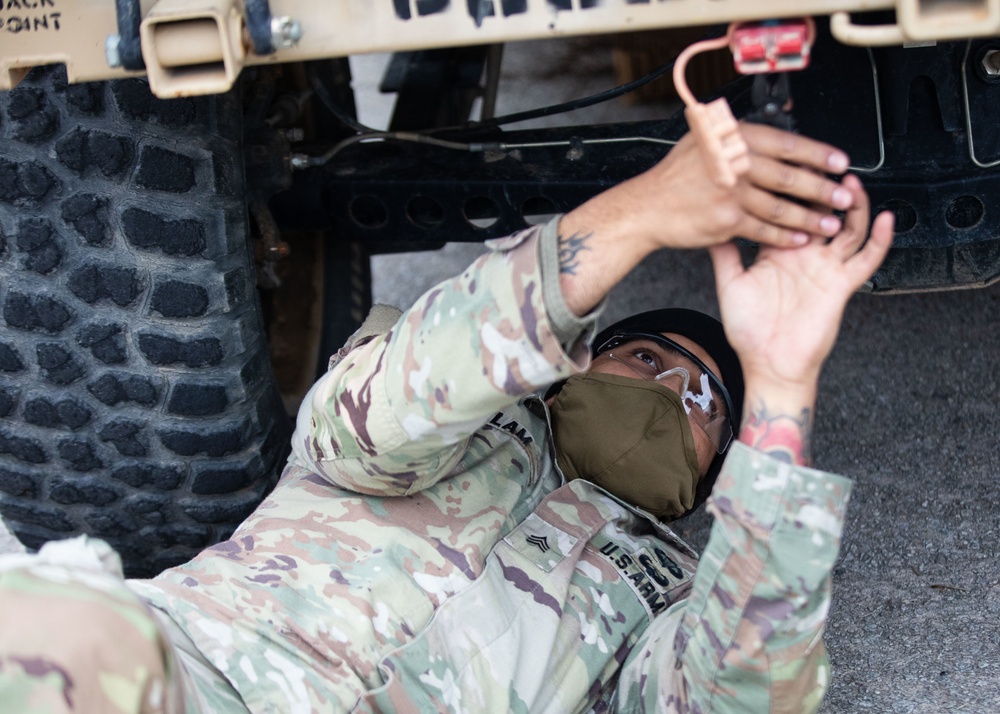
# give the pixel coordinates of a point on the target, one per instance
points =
(708, 333)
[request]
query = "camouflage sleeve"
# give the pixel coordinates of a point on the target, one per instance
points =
(749, 638)
(393, 416)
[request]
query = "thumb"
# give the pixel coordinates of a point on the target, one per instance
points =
(726, 262)
(865, 262)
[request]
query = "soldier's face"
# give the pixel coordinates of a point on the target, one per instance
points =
(661, 360)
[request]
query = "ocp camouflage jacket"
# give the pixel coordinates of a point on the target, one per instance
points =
(423, 553)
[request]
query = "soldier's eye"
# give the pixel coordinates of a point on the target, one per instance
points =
(646, 356)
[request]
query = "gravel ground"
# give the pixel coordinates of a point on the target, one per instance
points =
(908, 409)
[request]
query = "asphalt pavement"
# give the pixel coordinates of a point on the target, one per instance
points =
(909, 408)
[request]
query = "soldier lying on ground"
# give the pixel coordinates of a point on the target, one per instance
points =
(443, 539)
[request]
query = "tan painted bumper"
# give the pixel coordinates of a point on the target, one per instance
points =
(200, 46)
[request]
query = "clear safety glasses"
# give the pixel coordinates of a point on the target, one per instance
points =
(655, 357)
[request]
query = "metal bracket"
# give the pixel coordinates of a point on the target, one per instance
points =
(193, 46)
(921, 20)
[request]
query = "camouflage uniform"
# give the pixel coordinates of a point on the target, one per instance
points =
(423, 553)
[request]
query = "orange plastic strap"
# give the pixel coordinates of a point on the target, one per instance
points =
(719, 138)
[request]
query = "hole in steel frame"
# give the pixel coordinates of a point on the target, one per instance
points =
(481, 212)
(906, 215)
(425, 212)
(368, 211)
(964, 212)
(537, 210)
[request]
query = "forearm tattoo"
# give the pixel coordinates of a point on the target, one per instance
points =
(785, 437)
(569, 251)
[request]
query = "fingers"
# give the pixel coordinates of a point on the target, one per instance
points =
(794, 148)
(786, 167)
(859, 265)
(803, 183)
(846, 243)
(775, 220)
(863, 264)
(769, 234)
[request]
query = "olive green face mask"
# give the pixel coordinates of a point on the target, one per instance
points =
(629, 436)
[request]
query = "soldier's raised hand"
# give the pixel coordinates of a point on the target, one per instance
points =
(782, 313)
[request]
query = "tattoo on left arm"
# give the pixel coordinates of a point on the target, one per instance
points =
(569, 250)
(786, 437)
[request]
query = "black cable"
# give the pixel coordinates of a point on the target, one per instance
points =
(316, 84)
(572, 105)
(580, 103)
(583, 102)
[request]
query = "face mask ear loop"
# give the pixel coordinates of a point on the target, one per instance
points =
(671, 372)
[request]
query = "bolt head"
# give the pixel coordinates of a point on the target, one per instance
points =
(285, 31)
(112, 50)
(991, 63)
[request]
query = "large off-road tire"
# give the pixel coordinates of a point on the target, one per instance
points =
(137, 401)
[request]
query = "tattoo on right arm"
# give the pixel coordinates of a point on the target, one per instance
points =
(786, 437)
(569, 251)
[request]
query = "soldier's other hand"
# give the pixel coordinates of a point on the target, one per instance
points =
(782, 313)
